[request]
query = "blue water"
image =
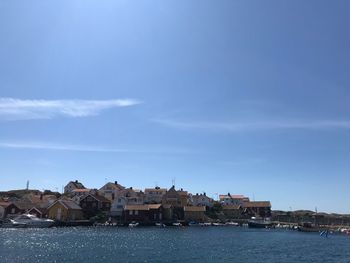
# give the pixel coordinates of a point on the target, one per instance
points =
(208, 244)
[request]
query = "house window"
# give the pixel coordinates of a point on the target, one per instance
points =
(130, 212)
(136, 212)
(13, 211)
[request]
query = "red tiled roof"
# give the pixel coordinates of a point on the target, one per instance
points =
(233, 196)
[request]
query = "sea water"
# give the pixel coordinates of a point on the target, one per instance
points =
(171, 244)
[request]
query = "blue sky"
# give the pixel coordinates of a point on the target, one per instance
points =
(246, 97)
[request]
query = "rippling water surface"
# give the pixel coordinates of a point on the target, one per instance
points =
(210, 244)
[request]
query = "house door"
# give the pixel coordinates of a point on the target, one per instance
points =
(59, 214)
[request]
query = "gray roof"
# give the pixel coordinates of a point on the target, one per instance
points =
(69, 204)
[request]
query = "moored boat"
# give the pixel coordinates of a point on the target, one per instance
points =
(231, 224)
(160, 225)
(133, 224)
(259, 223)
(309, 227)
(10, 223)
(33, 221)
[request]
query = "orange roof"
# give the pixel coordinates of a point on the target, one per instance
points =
(233, 196)
(231, 207)
(142, 207)
(154, 206)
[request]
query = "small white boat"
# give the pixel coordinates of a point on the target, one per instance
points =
(133, 224)
(218, 224)
(33, 221)
(160, 225)
(231, 224)
(10, 223)
(177, 224)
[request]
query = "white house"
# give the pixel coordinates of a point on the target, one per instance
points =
(201, 200)
(125, 197)
(154, 195)
(233, 199)
(111, 191)
(72, 185)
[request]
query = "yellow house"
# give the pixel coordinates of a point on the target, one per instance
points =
(65, 210)
(175, 198)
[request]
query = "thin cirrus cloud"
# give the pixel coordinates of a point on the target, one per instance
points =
(258, 125)
(38, 145)
(18, 109)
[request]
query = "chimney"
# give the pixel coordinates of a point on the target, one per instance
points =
(204, 194)
(115, 182)
(76, 181)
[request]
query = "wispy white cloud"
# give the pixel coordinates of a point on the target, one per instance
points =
(259, 125)
(18, 109)
(88, 148)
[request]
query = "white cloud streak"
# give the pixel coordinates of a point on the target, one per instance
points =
(17, 109)
(87, 148)
(252, 126)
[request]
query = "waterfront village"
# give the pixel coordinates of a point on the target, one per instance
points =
(115, 204)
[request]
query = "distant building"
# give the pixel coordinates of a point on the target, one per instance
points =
(258, 208)
(73, 185)
(194, 213)
(154, 195)
(65, 210)
(233, 211)
(36, 203)
(201, 200)
(148, 213)
(233, 199)
(94, 204)
(134, 196)
(111, 191)
(175, 198)
(9, 209)
(127, 196)
(77, 194)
